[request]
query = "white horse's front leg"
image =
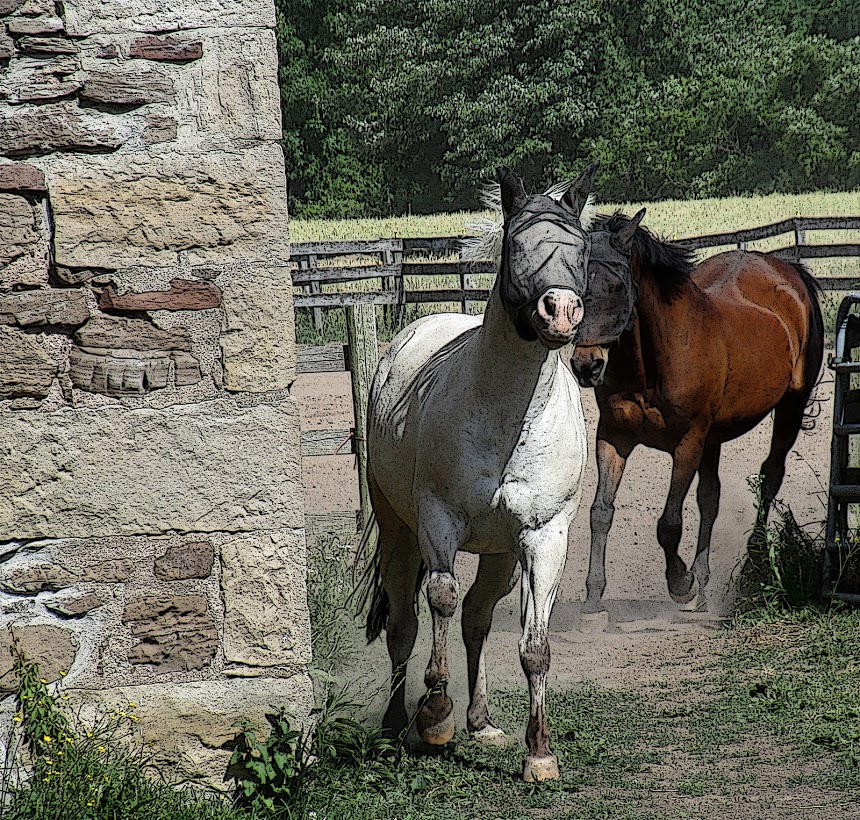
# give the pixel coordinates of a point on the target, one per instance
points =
(543, 553)
(440, 535)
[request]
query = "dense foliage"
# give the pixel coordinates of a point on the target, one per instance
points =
(394, 105)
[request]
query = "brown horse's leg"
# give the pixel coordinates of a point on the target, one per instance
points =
(496, 578)
(708, 497)
(685, 463)
(787, 419)
(611, 460)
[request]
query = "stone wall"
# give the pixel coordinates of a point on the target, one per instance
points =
(151, 520)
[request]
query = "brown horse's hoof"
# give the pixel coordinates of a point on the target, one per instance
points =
(536, 769)
(490, 736)
(686, 597)
(593, 622)
(440, 733)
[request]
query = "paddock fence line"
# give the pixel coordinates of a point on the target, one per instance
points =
(393, 260)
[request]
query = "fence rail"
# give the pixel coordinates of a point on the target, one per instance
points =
(327, 263)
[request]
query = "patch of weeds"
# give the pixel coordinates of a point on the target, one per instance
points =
(329, 585)
(783, 566)
(64, 768)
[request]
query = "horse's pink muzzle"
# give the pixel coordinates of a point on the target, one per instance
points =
(556, 316)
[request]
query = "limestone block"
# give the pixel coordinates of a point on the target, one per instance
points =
(42, 576)
(9, 6)
(165, 49)
(40, 80)
(258, 348)
(58, 127)
(187, 724)
(111, 571)
(23, 242)
(235, 91)
(184, 294)
(7, 45)
(187, 560)
(47, 45)
(74, 606)
(207, 467)
(266, 620)
(44, 307)
(177, 632)
(84, 17)
(127, 87)
(19, 176)
(25, 370)
(159, 129)
(134, 209)
(53, 647)
(120, 356)
(34, 25)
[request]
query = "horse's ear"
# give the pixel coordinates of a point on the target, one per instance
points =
(623, 240)
(577, 195)
(513, 191)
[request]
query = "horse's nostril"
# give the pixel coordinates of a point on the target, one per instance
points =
(549, 304)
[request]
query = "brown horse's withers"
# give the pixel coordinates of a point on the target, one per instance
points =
(710, 352)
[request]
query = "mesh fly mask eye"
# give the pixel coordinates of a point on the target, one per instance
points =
(610, 298)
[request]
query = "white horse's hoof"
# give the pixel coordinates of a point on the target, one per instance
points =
(490, 736)
(536, 769)
(594, 621)
(439, 733)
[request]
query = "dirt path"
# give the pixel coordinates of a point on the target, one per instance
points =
(650, 644)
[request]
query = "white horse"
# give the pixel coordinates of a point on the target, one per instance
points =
(477, 442)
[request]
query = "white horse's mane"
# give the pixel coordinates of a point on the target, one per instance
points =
(487, 241)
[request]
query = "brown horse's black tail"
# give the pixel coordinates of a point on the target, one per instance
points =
(814, 346)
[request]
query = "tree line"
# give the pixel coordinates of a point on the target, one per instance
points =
(398, 105)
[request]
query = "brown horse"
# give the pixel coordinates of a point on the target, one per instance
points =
(711, 350)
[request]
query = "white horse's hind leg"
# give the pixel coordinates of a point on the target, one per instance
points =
(496, 577)
(543, 555)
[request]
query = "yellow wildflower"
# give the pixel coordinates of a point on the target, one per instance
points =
(47, 739)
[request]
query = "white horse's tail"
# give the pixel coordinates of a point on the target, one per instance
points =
(369, 592)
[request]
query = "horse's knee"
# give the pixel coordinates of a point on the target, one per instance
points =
(443, 593)
(534, 655)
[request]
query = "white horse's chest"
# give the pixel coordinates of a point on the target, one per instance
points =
(543, 475)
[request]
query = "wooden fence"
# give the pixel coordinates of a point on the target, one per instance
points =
(392, 260)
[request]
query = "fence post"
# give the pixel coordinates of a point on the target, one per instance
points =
(799, 241)
(363, 356)
(309, 262)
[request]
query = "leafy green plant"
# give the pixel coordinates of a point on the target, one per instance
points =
(279, 774)
(65, 768)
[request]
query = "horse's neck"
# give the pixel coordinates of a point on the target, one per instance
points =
(654, 338)
(506, 366)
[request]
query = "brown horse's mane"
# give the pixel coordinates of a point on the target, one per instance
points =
(669, 263)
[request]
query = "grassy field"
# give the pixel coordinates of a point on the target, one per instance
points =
(673, 219)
